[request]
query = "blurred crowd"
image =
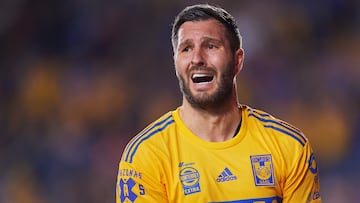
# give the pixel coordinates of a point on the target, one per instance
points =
(79, 78)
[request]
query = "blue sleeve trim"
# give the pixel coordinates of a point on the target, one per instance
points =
(291, 131)
(139, 137)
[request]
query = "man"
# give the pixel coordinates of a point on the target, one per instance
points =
(211, 148)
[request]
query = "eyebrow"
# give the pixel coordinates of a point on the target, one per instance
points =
(203, 39)
(209, 39)
(186, 42)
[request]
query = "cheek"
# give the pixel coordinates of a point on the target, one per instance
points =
(180, 66)
(178, 71)
(220, 61)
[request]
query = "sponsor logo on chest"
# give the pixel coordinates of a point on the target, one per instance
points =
(189, 178)
(226, 175)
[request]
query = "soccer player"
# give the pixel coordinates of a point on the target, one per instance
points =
(212, 148)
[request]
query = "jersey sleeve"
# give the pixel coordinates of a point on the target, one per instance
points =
(140, 179)
(302, 183)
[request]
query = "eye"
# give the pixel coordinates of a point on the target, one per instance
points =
(211, 46)
(186, 49)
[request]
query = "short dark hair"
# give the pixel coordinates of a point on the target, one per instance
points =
(201, 12)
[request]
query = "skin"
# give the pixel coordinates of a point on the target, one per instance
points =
(210, 114)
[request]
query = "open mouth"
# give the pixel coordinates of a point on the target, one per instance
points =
(202, 78)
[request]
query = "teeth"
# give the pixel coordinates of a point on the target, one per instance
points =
(201, 78)
(196, 75)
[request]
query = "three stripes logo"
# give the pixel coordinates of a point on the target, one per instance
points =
(226, 175)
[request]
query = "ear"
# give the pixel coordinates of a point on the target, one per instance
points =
(239, 60)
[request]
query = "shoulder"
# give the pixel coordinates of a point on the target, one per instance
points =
(150, 138)
(277, 128)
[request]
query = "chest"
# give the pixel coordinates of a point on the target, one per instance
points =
(238, 172)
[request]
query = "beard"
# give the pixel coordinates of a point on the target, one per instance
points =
(221, 95)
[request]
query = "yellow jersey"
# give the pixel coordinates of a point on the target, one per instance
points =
(267, 161)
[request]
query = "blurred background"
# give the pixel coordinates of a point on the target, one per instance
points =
(79, 78)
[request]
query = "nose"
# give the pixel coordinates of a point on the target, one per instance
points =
(198, 58)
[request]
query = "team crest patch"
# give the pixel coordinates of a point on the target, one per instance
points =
(190, 180)
(263, 170)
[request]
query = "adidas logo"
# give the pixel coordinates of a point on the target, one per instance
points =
(226, 175)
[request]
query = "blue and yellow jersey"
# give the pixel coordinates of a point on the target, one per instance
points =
(267, 161)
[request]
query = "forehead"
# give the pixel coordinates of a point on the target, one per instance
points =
(199, 29)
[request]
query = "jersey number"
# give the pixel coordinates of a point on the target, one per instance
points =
(127, 192)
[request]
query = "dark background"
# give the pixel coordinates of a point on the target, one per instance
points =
(79, 78)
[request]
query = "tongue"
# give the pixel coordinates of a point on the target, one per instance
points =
(202, 79)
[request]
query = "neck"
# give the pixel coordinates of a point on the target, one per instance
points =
(212, 125)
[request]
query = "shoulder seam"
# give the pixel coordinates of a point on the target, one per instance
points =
(153, 129)
(270, 122)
